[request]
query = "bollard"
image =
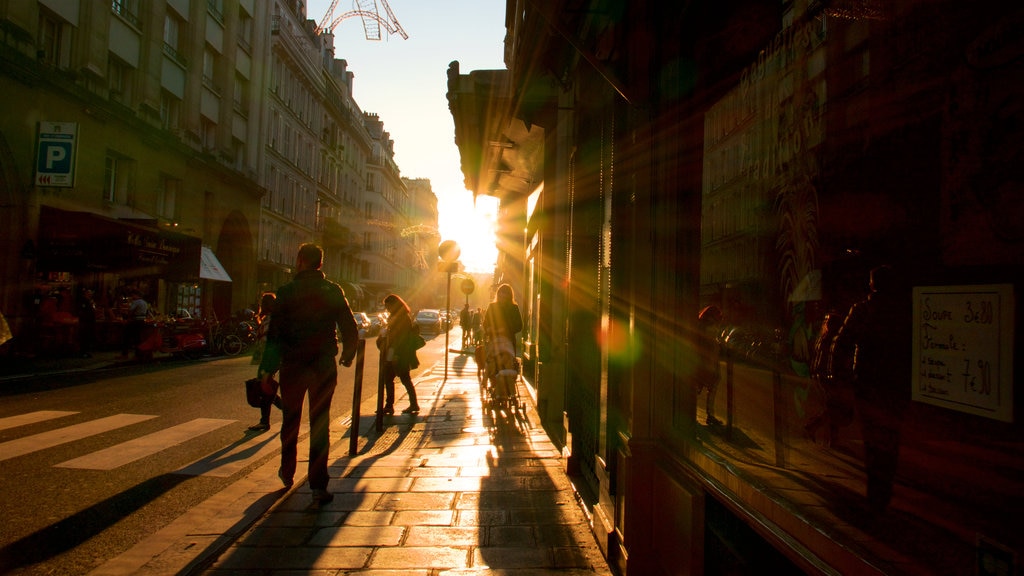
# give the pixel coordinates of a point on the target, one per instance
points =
(379, 422)
(357, 393)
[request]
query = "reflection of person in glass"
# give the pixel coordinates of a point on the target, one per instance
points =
(831, 375)
(709, 350)
(879, 329)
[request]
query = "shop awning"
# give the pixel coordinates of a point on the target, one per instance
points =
(87, 242)
(210, 267)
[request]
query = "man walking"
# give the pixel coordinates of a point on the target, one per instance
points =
(302, 343)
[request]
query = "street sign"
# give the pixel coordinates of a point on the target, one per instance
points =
(55, 155)
(449, 251)
(468, 286)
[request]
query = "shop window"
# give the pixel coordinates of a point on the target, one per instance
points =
(118, 179)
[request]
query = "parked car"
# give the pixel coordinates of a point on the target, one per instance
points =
(429, 321)
(362, 323)
(375, 324)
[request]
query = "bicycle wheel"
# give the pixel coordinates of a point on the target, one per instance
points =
(232, 345)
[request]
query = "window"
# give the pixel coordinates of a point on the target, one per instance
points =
(53, 46)
(119, 75)
(127, 9)
(118, 179)
(170, 106)
(210, 69)
(167, 197)
(245, 27)
(173, 32)
(241, 94)
(209, 133)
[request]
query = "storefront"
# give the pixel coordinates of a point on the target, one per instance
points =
(83, 250)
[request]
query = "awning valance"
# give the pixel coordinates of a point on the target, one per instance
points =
(88, 242)
(210, 267)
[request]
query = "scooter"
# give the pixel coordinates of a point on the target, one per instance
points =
(185, 339)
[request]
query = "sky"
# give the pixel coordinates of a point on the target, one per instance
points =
(405, 82)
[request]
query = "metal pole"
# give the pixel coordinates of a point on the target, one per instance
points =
(379, 422)
(357, 393)
(447, 307)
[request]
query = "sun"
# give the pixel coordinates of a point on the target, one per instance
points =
(472, 227)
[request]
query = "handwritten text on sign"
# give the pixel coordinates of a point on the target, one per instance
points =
(963, 348)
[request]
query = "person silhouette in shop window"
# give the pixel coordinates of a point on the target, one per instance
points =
(878, 330)
(709, 356)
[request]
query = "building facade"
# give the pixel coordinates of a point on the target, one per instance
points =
(130, 154)
(186, 149)
(422, 232)
(763, 158)
(315, 155)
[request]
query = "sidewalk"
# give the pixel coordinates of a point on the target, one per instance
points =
(454, 490)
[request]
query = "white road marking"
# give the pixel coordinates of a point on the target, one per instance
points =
(32, 418)
(132, 450)
(36, 442)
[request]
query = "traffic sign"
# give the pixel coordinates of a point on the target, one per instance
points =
(468, 286)
(56, 154)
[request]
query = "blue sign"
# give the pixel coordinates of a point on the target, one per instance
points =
(55, 156)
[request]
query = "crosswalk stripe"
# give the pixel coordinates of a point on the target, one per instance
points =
(132, 450)
(32, 418)
(22, 446)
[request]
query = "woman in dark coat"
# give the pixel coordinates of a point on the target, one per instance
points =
(398, 349)
(503, 318)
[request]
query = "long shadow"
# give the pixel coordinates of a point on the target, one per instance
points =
(76, 529)
(60, 379)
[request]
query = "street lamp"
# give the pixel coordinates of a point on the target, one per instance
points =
(449, 253)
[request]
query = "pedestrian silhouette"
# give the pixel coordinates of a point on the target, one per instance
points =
(709, 350)
(878, 331)
(398, 347)
(302, 343)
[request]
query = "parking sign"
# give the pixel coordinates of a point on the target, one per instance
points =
(55, 155)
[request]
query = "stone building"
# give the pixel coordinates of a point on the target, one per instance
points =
(763, 158)
(130, 152)
(186, 149)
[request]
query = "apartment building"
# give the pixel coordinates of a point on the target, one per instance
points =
(315, 152)
(388, 253)
(184, 148)
(129, 149)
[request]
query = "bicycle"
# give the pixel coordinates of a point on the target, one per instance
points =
(225, 342)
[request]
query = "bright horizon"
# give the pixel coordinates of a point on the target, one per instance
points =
(405, 82)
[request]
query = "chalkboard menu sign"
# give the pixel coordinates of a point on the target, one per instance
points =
(963, 348)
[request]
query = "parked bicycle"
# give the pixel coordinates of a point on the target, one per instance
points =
(225, 341)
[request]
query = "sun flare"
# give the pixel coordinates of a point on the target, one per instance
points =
(472, 227)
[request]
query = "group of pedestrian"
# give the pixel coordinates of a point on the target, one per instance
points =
(471, 321)
(299, 326)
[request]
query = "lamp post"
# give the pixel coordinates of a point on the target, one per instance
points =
(449, 253)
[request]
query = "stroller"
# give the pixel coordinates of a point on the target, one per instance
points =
(498, 370)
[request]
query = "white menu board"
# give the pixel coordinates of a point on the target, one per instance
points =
(963, 348)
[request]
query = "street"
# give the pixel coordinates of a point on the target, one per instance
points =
(92, 464)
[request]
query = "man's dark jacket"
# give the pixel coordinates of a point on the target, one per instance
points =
(307, 315)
